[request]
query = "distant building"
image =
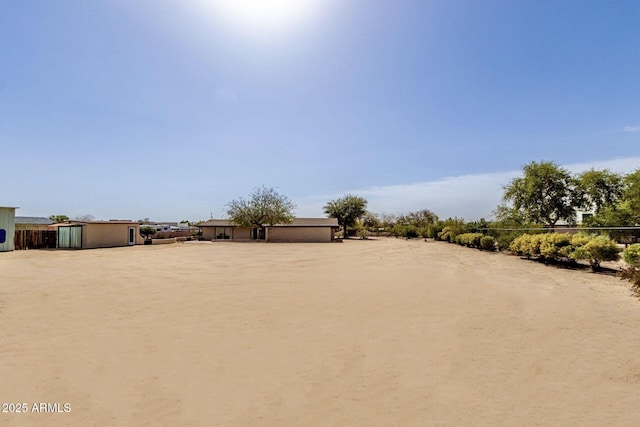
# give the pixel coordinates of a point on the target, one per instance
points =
(169, 229)
(582, 215)
(299, 230)
(98, 234)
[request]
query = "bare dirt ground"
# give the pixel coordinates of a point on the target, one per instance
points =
(365, 333)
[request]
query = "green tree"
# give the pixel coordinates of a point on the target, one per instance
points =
(600, 188)
(147, 231)
(625, 212)
(347, 210)
(477, 226)
(418, 219)
(370, 221)
(614, 216)
(508, 221)
(388, 220)
(545, 194)
(509, 217)
(631, 192)
(621, 215)
(58, 218)
(596, 250)
(264, 207)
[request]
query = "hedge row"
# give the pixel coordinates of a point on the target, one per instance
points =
(594, 248)
(476, 240)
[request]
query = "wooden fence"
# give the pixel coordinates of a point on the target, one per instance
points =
(35, 239)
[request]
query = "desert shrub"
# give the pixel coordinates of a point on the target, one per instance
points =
(461, 239)
(487, 243)
(424, 232)
(447, 234)
(527, 244)
(632, 271)
(433, 230)
(519, 244)
(632, 254)
(577, 241)
(411, 231)
(450, 229)
(596, 250)
(397, 230)
(580, 239)
(555, 245)
(471, 240)
(505, 239)
(408, 231)
(534, 244)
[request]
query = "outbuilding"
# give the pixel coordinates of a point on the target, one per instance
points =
(299, 230)
(98, 234)
(224, 229)
(303, 230)
(7, 227)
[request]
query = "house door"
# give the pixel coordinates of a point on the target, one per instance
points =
(257, 234)
(132, 236)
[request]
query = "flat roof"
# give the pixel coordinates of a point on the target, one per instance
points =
(39, 220)
(72, 222)
(297, 222)
(311, 222)
(217, 223)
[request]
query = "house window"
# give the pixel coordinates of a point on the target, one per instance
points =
(70, 237)
(223, 233)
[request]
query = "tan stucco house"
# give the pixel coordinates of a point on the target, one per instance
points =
(299, 230)
(98, 234)
(223, 229)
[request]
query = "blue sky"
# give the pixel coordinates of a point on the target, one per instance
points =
(169, 109)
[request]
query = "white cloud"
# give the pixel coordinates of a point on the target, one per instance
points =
(631, 128)
(468, 196)
(621, 165)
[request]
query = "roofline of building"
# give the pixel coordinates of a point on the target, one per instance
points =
(74, 222)
(274, 225)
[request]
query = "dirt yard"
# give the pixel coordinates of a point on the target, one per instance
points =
(365, 333)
